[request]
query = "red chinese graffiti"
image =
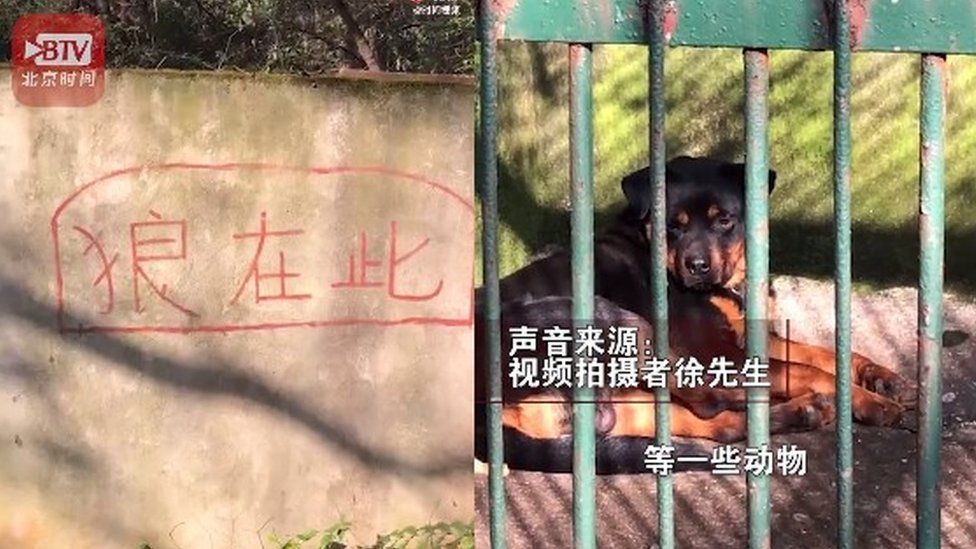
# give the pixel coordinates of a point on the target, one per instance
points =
(394, 261)
(254, 270)
(166, 261)
(166, 241)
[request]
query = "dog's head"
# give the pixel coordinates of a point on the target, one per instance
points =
(705, 210)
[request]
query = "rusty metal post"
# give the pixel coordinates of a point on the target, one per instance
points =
(488, 181)
(842, 273)
(581, 180)
(659, 260)
(931, 222)
(757, 278)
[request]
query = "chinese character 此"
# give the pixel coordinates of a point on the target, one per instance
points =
(362, 280)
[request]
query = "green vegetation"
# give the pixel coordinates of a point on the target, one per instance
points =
(446, 535)
(454, 535)
(704, 117)
(293, 36)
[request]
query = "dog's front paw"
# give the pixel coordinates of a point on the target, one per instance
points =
(878, 411)
(885, 382)
(804, 413)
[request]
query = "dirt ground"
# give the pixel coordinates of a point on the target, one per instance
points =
(710, 510)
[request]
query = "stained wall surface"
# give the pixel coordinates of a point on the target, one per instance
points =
(235, 305)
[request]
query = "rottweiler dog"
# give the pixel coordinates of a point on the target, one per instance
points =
(706, 273)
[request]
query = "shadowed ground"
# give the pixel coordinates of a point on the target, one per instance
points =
(710, 511)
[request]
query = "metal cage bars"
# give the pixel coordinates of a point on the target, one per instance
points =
(756, 84)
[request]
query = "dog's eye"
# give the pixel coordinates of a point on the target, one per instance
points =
(725, 222)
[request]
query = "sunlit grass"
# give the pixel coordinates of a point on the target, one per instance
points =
(704, 117)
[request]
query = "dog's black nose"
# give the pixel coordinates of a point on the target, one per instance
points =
(697, 265)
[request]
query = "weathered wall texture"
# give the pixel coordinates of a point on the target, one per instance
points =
(234, 305)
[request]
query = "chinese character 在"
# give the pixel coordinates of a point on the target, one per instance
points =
(258, 275)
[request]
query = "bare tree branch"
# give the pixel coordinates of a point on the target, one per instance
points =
(356, 37)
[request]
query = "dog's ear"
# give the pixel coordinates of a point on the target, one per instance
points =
(637, 190)
(737, 171)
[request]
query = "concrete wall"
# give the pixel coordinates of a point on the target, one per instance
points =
(169, 375)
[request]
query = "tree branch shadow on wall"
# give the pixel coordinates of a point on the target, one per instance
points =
(217, 377)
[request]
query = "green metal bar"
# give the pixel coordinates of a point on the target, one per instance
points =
(842, 273)
(904, 26)
(581, 178)
(659, 261)
(932, 240)
(757, 277)
(488, 180)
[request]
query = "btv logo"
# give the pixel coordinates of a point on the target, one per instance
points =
(58, 60)
(60, 49)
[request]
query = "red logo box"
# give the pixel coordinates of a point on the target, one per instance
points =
(58, 60)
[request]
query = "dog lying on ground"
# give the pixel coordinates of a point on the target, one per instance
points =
(706, 273)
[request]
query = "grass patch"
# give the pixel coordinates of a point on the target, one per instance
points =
(447, 535)
(704, 100)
